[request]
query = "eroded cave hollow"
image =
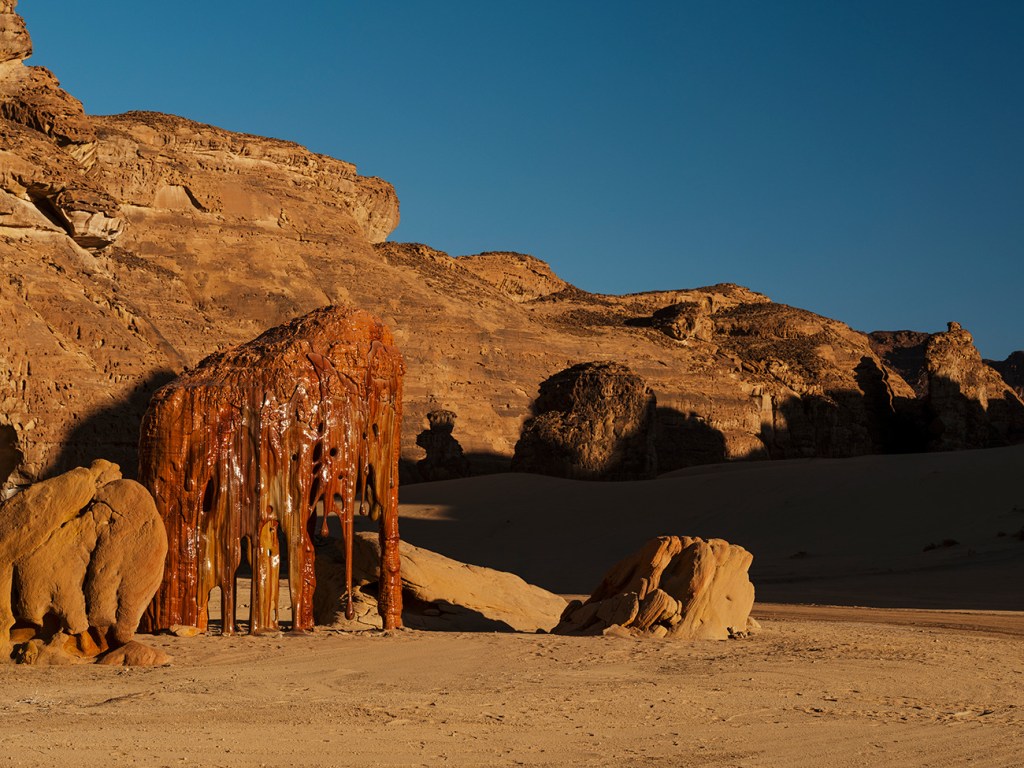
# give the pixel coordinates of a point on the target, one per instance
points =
(242, 451)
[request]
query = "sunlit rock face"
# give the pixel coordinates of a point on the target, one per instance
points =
(677, 586)
(244, 449)
(81, 554)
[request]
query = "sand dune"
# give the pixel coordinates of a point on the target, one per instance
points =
(840, 531)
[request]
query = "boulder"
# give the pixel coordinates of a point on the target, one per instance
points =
(438, 593)
(674, 586)
(593, 421)
(81, 556)
(135, 654)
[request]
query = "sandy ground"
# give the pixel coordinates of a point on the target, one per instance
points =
(820, 685)
(844, 690)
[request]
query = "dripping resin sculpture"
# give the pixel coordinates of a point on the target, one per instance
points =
(254, 441)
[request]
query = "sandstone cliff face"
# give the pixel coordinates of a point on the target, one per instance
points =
(903, 351)
(137, 244)
(968, 402)
(1012, 371)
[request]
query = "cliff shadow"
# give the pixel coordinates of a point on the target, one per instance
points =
(896, 423)
(112, 432)
(840, 423)
(478, 462)
(957, 422)
(686, 440)
(10, 456)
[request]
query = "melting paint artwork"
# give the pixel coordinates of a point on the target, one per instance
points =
(243, 450)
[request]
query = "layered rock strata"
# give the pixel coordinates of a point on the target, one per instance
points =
(248, 448)
(81, 555)
(674, 586)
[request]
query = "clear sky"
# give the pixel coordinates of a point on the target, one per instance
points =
(864, 160)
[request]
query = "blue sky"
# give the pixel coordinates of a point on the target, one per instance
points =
(864, 160)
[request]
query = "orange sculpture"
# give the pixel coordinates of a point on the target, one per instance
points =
(258, 438)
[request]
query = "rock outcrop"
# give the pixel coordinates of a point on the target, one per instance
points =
(904, 352)
(1012, 371)
(675, 586)
(438, 593)
(686, 320)
(594, 421)
(517, 275)
(81, 555)
(968, 404)
(445, 459)
(250, 446)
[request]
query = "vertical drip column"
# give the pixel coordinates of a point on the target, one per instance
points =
(384, 395)
(300, 437)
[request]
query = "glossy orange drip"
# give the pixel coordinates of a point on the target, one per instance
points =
(255, 439)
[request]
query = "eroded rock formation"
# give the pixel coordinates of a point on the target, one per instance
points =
(1012, 371)
(686, 320)
(81, 555)
(676, 586)
(968, 403)
(445, 459)
(438, 593)
(903, 351)
(594, 421)
(244, 451)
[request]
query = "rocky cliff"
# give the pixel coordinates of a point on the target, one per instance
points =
(1012, 370)
(135, 245)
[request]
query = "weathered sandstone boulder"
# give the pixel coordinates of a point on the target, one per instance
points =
(81, 555)
(676, 586)
(594, 421)
(135, 654)
(253, 444)
(438, 593)
(969, 404)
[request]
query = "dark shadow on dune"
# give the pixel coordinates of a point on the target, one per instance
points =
(111, 433)
(480, 463)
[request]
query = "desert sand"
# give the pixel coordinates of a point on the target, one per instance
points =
(931, 675)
